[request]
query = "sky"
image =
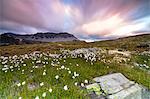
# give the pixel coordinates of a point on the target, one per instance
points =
(86, 19)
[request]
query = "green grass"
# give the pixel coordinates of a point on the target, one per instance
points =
(85, 69)
(142, 59)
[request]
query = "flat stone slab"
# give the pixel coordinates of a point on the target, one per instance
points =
(117, 86)
(134, 92)
(113, 83)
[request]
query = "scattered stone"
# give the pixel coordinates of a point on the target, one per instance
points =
(32, 86)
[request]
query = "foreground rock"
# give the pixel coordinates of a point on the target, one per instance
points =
(117, 86)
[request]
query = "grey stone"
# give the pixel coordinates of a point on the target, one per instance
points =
(113, 83)
(117, 86)
(133, 92)
(33, 86)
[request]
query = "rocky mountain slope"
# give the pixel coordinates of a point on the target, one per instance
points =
(11, 38)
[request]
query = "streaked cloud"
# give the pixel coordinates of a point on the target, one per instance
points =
(87, 19)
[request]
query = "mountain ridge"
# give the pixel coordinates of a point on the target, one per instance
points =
(12, 38)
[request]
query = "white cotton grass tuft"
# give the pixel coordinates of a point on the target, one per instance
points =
(44, 73)
(37, 97)
(44, 94)
(82, 84)
(50, 90)
(24, 64)
(23, 83)
(31, 71)
(42, 83)
(73, 77)
(20, 98)
(56, 77)
(67, 68)
(69, 72)
(19, 84)
(76, 74)
(62, 67)
(76, 83)
(86, 81)
(65, 87)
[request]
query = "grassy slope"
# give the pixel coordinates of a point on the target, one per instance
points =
(128, 43)
(86, 70)
(50, 47)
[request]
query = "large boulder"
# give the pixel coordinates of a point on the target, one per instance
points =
(117, 86)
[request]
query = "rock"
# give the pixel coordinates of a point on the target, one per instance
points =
(117, 86)
(94, 96)
(32, 86)
(113, 83)
(146, 94)
(124, 53)
(133, 92)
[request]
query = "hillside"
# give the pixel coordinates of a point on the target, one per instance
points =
(138, 42)
(65, 69)
(134, 43)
